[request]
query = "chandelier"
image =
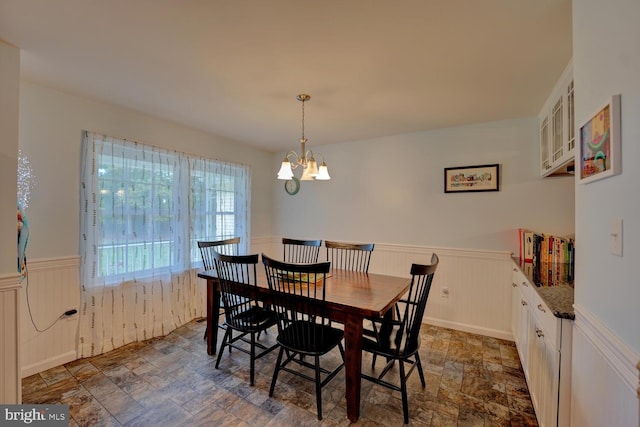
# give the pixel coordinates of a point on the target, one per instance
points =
(306, 160)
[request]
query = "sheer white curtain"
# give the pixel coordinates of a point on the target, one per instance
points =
(143, 209)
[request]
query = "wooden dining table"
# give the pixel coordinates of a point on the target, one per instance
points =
(351, 297)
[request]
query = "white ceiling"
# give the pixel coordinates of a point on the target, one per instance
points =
(234, 67)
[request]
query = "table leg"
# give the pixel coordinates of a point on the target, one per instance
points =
(353, 364)
(213, 300)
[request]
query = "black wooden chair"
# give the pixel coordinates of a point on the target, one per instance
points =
(349, 256)
(208, 249)
(304, 332)
(399, 339)
(300, 251)
(242, 314)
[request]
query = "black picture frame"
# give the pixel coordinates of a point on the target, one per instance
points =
(467, 179)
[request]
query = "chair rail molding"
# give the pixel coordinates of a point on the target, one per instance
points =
(9, 281)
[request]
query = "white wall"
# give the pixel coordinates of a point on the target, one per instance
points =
(9, 75)
(51, 125)
(10, 385)
(607, 62)
(390, 190)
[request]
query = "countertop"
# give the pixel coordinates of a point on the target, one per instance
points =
(554, 284)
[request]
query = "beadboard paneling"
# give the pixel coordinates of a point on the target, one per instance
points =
(10, 384)
(479, 294)
(478, 302)
(479, 283)
(612, 375)
(53, 287)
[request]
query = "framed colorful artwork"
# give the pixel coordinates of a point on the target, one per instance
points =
(600, 155)
(464, 179)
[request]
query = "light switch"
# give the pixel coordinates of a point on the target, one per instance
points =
(616, 236)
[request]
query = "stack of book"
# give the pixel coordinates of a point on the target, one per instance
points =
(540, 248)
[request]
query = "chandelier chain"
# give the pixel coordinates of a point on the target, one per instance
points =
(303, 138)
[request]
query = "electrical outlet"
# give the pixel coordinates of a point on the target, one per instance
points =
(444, 292)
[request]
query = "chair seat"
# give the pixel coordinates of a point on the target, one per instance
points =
(318, 339)
(255, 318)
(389, 347)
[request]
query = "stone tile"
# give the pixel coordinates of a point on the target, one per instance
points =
(32, 384)
(471, 380)
(469, 417)
(443, 420)
(82, 369)
(213, 416)
(484, 388)
(123, 407)
(167, 414)
(100, 386)
(92, 413)
(51, 394)
(54, 375)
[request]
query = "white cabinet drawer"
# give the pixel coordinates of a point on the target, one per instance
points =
(548, 324)
(518, 278)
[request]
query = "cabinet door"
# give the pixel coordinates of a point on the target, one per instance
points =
(557, 130)
(545, 160)
(516, 315)
(557, 126)
(515, 311)
(571, 121)
(522, 330)
(544, 375)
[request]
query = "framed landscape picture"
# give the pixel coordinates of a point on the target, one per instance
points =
(600, 143)
(464, 179)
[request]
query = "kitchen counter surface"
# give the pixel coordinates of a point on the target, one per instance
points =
(554, 284)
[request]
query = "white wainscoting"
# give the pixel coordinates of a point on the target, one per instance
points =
(479, 283)
(605, 379)
(478, 302)
(271, 246)
(53, 287)
(10, 379)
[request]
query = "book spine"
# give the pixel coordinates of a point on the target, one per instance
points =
(521, 240)
(528, 247)
(537, 242)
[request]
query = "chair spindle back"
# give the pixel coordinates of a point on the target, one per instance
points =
(300, 251)
(349, 256)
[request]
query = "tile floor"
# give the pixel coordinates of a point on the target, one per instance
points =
(471, 381)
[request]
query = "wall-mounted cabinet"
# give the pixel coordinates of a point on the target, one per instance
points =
(557, 127)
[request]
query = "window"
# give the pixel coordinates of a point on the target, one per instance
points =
(146, 207)
(218, 194)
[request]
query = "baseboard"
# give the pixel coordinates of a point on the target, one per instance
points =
(49, 363)
(469, 328)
